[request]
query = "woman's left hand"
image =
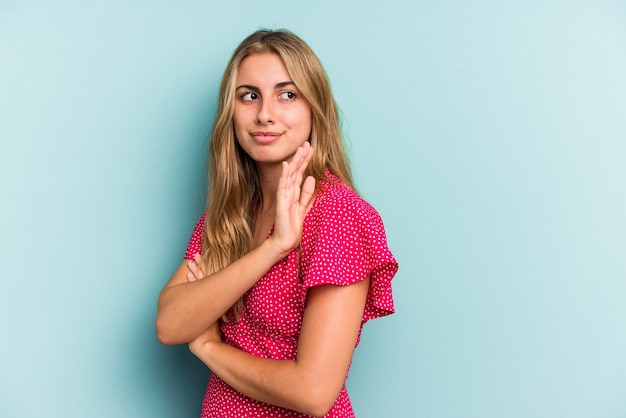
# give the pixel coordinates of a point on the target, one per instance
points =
(292, 200)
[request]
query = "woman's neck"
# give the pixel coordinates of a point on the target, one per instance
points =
(269, 174)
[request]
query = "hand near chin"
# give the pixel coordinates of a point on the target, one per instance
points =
(293, 200)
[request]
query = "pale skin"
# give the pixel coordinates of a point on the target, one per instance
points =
(191, 303)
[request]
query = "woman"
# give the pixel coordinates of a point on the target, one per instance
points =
(280, 273)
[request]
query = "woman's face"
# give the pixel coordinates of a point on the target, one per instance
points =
(271, 119)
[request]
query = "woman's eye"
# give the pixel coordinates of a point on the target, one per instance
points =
(249, 96)
(288, 95)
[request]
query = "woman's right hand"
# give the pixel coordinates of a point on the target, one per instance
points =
(195, 271)
(293, 200)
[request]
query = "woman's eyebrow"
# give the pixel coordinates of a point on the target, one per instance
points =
(284, 84)
(280, 85)
(248, 87)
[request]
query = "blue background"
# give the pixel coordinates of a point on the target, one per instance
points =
(490, 135)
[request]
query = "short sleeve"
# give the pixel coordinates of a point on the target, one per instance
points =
(344, 241)
(195, 242)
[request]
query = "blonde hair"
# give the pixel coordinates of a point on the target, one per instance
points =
(234, 195)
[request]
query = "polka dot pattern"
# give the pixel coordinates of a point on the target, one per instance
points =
(343, 242)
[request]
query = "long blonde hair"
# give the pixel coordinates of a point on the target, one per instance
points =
(234, 195)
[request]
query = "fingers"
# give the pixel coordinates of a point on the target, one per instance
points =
(300, 159)
(308, 188)
(293, 173)
(195, 271)
(294, 170)
(293, 198)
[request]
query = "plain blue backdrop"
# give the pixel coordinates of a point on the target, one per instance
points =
(490, 135)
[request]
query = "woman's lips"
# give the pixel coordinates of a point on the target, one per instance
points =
(265, 137)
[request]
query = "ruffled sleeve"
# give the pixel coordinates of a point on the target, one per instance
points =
(344, 241)
(195, 242)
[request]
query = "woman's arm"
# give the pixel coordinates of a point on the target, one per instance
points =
(187, 308)
(311, 383)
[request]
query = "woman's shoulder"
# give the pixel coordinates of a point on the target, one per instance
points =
(195, 242)
(335, 195)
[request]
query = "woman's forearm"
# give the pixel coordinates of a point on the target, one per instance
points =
(186, 309)
(284, 383)
(311, 383)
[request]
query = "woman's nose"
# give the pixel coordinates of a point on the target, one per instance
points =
(266, 112)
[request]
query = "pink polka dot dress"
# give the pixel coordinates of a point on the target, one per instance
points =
(343, 242)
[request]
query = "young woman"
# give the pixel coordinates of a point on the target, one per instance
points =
(288, 262)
